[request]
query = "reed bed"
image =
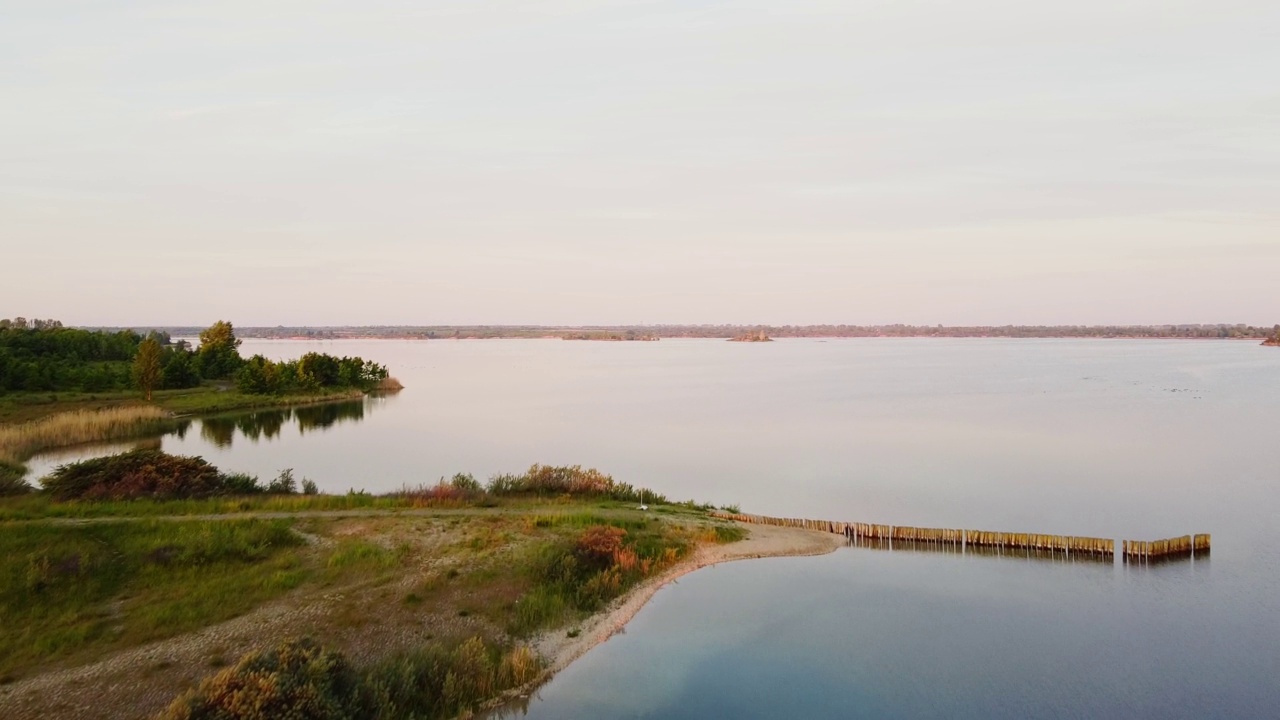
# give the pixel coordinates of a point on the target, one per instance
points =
(20, 442)
(388, 384)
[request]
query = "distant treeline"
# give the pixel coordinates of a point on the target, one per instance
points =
(45, 356)
(624, 332)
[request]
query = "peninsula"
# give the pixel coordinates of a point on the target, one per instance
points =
(482, 590)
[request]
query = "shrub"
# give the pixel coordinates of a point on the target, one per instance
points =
(141, 473)
(467, 484)
(309, 487)
(598, 546)
(241, 484)
(11, 482)
(299, 679)
(569, 480)
(284, 484)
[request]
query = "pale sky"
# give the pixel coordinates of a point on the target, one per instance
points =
(579, 162)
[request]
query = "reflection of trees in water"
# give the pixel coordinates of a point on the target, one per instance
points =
(148, 444)
(262, 424)
(315, 417)
(221, 431)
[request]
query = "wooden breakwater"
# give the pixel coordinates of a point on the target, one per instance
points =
(958, 538)
(1185, 546)
(912, 546)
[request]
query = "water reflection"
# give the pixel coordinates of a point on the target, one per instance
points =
(259, 425)
(223, 432)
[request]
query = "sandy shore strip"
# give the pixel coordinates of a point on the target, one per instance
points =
(762, 541)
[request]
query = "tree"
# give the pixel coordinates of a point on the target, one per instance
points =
(217, 356)
(259, 376)
(180, 370)
(317, 371)
(146, 366)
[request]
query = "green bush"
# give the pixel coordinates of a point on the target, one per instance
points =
(284, 484)
(569, 480)
(144, 473)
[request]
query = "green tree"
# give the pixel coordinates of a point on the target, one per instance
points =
(180, 370)
(258, 375)
(147, 370)
(218, 356)
(317, 371)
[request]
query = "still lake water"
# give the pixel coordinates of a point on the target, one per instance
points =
(1119, 439)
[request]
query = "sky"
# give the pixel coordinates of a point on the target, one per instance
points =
(582, 162)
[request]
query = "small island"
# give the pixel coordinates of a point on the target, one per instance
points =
(1274, 340)
(608, 336)
(759, 336)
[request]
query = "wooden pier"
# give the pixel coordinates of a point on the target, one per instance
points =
(890, 536)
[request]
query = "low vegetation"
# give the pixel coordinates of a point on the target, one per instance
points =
(578, 575)
(482, 565)
(301, 679)
(153, 474)
(19, 442)
(67, 589)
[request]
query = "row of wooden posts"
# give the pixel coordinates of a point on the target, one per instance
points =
(1130, 549)
(1185, 545)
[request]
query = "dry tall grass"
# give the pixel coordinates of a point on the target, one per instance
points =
(20, 442)
(389, 384)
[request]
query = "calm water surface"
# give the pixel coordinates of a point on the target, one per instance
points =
(1137, 439)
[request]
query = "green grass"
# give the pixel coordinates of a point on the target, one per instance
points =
(207, 400)
(40, 506)
(68, 589)
(565, 582)
(729, 533)
(302, 679)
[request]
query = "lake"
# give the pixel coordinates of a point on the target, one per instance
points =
(1109, 438)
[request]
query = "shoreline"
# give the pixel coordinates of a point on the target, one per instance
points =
(762, 541)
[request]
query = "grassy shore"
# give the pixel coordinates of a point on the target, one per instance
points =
(422, 603)
(481, 575)
(24, 407)
(19, 442)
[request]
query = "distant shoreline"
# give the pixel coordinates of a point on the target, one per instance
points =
(1170, 331)
(303, 338)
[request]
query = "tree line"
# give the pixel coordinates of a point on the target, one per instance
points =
(45, 356)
